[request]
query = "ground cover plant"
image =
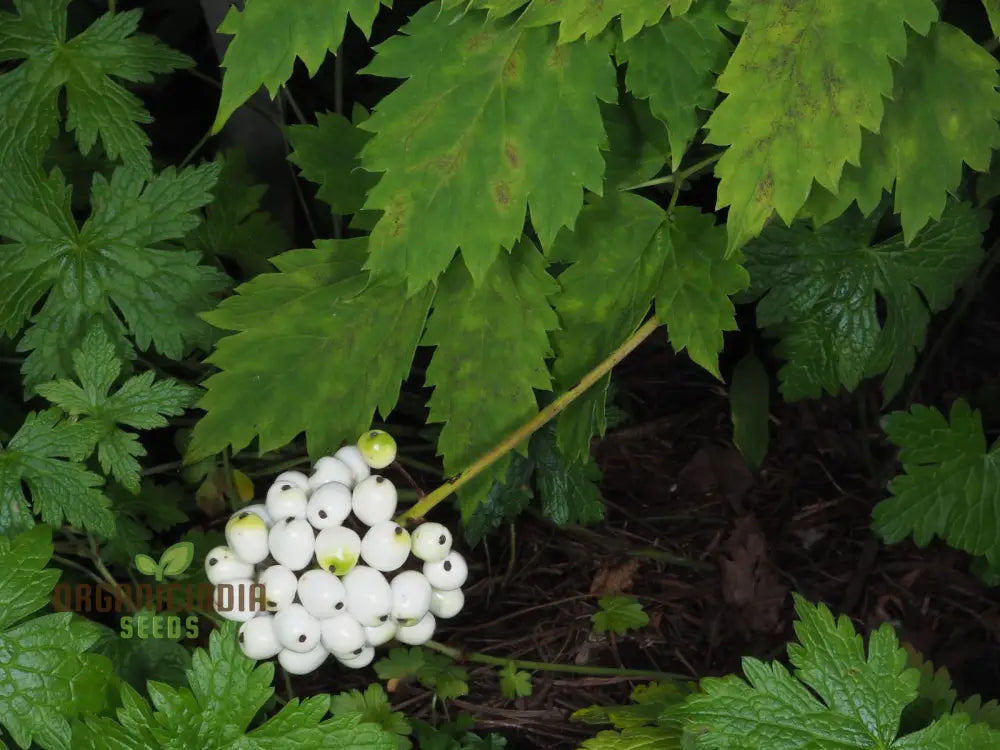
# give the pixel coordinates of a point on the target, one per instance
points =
(681, 316)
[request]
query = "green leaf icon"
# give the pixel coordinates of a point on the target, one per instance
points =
(176, 558)
(145, 564)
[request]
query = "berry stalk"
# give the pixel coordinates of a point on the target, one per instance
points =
(522, 433)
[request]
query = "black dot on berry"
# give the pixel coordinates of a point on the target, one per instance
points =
(384, 618)
(289, 519)
(398, 531)
(322, 514)
(302, 638)
(339, 605)
(212, 561)
(373, 434)
(447, 565)
(442, 539)
(241, 637)
(357, 651)
(286, 486)
(379, 480)
(244, 514)
(272, 605)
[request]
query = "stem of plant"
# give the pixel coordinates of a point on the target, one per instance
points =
(544, 666)
(679, 176)
(525, 431)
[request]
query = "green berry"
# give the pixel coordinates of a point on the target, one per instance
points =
(377, 448)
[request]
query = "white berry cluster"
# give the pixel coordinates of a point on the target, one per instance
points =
(335, 606)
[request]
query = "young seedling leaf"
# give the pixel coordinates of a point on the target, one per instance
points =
(146, 565)
(176, 558)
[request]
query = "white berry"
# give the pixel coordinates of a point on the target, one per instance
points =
(338, 549)
(374, 500)
(330, 469)
(385, 546)
(222, 565)
(292, 542)
(298, 478)
(257, 638)
(295, 662)
(378, 448)
(238, 600)
(259, 510)
(450, 573)
(431, 542)
(357, 659)
(341, 634)
(329, 505)
(280, 585)
(321, 593)
(411, 597)
(246, 535)
(369, 597)
(380, 634)
(296, 629)
(351, 455)
(447, 604)
(415, 635)
(286, 500)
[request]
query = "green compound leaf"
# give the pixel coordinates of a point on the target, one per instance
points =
(821, 286)
(85, 68)
(674, 63)
(373, 707)
(177, 558)
(513, 682)
(44, 454)
(235, 226)
(491, 339)
(943, 113)
(651, 701)
(111, 272)
(626, 250)
(568, 490)
(639, 738)
(328, 153)
(804, 80)
(514, 115)
(434, 671)
(47, 675)
(140, 403)
(318, 327)
(225, 691)
(949, 483)
(838, 697)
(268, 36)
(619, 614)
(146, 565)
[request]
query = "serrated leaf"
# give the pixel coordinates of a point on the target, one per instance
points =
(47, 676)
(619, 614)
(693, 295)
(821, 296)
(139, 402)
(513, 682)
(321, 327)
(943, 113)
(605, 296)
(111, 272)
(434, 671)
(674, 63)
(652, 702)
(804, 80)
(504, 502)
(639, 738)
(935, 694)
(493, 339)
(44, 455)
(224, 693)
(137, 660)
(176, 558)
(146, 565)
(638, 145)
(373, 706)
(267, 39)
(235, 226)
(838, 697)
(587, 18)
(993, 12)
(459, 166)
(567, 489)
(749, 399)
(328, 153)
(949, 485)
(85, 68)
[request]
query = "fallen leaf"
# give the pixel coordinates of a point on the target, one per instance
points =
(615, 579)
(750, 582)
(715, 470)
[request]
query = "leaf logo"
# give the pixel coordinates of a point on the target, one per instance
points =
(174, 561)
